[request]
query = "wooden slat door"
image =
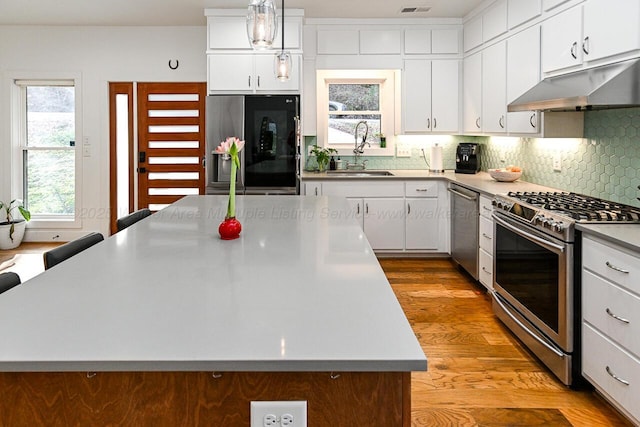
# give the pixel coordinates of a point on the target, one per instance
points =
(171, 142)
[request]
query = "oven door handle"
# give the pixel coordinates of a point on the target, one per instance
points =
(549, 245)
(497, 297)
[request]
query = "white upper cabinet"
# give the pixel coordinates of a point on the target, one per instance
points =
(338, 42)
(494, 88)
(472, 37)
(380, 42)
(521, 11)
(561, 40)
(431, 95)
(243, 73)
(417, 42)
(494, 21)
(445, 41)
(523, 72)
(592, 31)
(472, 93)
(230, 32)
(550, 4)
(610, 28)
(445, 84)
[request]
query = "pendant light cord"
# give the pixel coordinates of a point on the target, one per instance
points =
(282, 25)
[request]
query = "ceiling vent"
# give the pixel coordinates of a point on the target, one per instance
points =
(418, 9)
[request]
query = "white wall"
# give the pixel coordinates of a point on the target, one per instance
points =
(98, 55)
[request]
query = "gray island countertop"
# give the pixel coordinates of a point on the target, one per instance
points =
(300, 290)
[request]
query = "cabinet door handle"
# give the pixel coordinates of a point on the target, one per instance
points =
(621, 319)
(486, 236)
(366, 208)
(408, 208)
(316, 189)
(478, 122)
(358, 208)
(501, 122)
(613, 267)
(615, 377)
(585, 45)
(435, 123)
(258, 81)
(249, 81)
(533, 116)
(428, 123)
(574, 50)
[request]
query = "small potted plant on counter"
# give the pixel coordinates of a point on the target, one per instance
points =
(322, 156)
(12, 229)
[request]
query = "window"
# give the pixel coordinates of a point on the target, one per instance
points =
(348, 97)
(47, 140)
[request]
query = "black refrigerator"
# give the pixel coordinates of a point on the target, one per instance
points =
(269, 125)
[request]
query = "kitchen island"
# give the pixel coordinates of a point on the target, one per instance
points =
(166, 324)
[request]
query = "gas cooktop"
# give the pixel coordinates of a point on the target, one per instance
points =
(579, 207)
(556, 213)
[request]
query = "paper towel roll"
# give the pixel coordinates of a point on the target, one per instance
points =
(435, 159)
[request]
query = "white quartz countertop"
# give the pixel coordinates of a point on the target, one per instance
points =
(481, 181)
(300, 290)
(627, 235)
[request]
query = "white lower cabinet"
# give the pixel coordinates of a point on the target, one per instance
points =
(312, 188)
(611, 323)
(384, 223)
(485, 241)
(396, 216)
(421, 224)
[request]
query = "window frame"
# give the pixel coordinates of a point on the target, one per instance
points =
(390, 102)
(19, 144)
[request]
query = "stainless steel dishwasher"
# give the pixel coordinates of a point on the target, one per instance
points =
(464, 228)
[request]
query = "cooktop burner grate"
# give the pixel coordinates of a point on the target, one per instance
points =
(579, 207)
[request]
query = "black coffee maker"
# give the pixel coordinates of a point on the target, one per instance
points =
(467, 157)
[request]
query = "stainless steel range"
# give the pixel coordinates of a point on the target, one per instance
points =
(536, 270)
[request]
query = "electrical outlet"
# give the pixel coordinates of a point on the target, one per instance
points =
(403, 151)
(557, 162)
(279, 414)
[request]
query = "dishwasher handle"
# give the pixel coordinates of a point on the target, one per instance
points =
(464, 196)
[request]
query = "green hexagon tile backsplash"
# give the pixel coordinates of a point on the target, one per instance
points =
(605, 163)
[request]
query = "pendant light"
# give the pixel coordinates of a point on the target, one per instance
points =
(261, 24)
(283, 59)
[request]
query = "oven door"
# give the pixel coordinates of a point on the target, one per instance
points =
(533, 274)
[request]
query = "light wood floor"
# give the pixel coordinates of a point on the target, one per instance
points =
(478, 375)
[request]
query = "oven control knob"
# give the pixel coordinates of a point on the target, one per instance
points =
(559, 226)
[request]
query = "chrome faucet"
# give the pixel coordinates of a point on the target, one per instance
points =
(359, 148)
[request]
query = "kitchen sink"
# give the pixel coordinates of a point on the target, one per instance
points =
(359, 173)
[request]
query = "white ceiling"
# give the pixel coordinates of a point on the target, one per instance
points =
(191, 12)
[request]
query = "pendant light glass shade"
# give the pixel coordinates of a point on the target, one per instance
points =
(283, 59)
(261, 23)
(283, 66)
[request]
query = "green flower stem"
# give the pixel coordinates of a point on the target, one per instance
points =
(231, 208)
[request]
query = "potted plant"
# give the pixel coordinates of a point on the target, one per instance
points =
(12, 229)
(322, 156)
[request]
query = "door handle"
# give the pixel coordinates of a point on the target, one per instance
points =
(142, 157)
(574, 49)
(142, 170)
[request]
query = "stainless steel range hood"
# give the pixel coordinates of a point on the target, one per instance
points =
(609, 86)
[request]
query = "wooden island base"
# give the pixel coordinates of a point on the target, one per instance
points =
(200, 399)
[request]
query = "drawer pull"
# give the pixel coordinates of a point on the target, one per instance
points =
(613, 267)
(486, 236)
(615, 377)
(485, 270)
(424, 190)
(622, 319)
(487, 209)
